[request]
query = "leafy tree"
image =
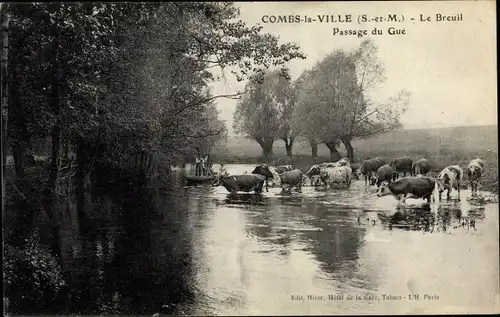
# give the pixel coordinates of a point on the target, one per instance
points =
(264, 112)
(131, 77)
(5, 16)
(366, 117)
(301, 111)
(285, 101)
(334, 105)
(325, 97)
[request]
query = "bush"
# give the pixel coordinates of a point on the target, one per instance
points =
(32, 277)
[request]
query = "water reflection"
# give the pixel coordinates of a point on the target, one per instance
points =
(202, 251)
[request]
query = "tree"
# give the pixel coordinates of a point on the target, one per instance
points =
(364, 117)
(323, 99)
(285, 101)
(335, 103)
(302, 109)
(4, 13)
(264, 111)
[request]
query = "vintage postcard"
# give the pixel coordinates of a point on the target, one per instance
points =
(249, 158)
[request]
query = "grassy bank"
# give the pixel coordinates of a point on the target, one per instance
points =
(443, 147)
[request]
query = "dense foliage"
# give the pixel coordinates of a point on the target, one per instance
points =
(112, 83)
(114, 87)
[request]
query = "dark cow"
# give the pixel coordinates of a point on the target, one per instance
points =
(241, 183)
(409, 187)
(355, 170)
(267, 172)
(292, 179)
(384, 174)
(402, 165)
(421, 167)
(370, 166)
(475, 170)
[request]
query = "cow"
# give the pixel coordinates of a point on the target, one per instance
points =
(271, 172)
(292, 179)
(315, 170)
(241, 183)
(475, 170)
(370, 166)
(450, 178)
(342, 162)
(421, 166)
(337, 175)
(355, 170)
(409, 187)
(384, 174)
(402, 165)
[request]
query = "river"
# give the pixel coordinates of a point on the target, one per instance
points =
(199, 251)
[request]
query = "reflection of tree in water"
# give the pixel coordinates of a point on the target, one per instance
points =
(152, 263)
(336, 245)
(270, 225)
(128, 258)
(443, 219)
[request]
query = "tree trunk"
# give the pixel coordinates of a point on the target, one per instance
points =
(314, 148)
(267, 146)
(82, 159)
(334, 153)
(56, 133)
(5, 97)
(288, 146)
(18, 132)
(349, 148)
(18, 155)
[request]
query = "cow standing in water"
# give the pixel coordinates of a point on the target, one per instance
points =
(421, 167)
(314, 172)
(241, 183)
(292, 179)
(450, 178)
(270, 172)
(337, 175)
(402, 165)
(475, 170)
(409, 187)
(384, 174)
(369, 167)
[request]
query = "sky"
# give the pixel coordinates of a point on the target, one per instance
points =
(449, 67)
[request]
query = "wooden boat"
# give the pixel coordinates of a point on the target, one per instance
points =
(195, 180)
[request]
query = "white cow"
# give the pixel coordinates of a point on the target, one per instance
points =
(450, 178)
(474, 171)
(337, 175)
(315, 171)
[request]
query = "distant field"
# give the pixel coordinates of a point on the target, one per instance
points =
(443, 146)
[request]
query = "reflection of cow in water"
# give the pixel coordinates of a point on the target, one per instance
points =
(424, 219)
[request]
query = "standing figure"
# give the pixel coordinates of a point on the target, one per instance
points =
(204, 165)
(209, 165)
(198, 165)
(222, 170)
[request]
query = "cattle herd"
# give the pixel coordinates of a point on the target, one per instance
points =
(403, 178)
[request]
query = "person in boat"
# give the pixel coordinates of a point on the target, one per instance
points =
(222, 170)
(209, 165)
(204, 165)
(198, 165)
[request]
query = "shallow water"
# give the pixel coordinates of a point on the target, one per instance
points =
(200, 251)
